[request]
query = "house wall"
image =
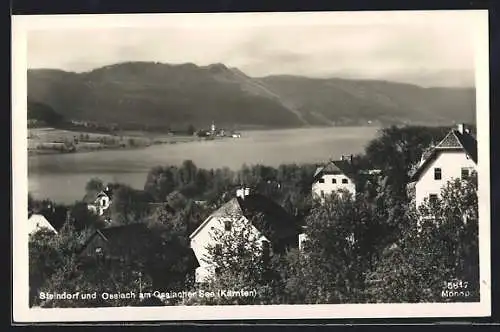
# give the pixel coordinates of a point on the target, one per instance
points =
(451, 163)
(38, 222)
(97, 242)
(103, 202)
(206, 237)
(328, 187)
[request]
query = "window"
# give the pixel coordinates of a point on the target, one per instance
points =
(334, 180)
(437, 173)
(321, 180)
(322, 194)
(99, 255)
(465, 173)
(227, 225)
(345, 181)
(433, 198)
(218, 249)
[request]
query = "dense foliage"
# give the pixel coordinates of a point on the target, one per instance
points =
(371, 247)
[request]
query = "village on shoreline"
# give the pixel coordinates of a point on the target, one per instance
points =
(81, 138)
(219, 229)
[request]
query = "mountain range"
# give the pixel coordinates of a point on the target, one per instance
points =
(158, 94)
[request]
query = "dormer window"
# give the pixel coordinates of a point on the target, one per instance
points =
(344, 181)
(437, 173)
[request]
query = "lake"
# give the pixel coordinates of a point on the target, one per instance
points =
(62, 177)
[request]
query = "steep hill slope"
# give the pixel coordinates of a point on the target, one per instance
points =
(156, 94)
(345, 101)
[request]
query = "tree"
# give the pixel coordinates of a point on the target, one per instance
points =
(242, 261)
(160, 182)
(81, 217)
(94, 185)
(191, 130)
(44, 259)
(94, 281)
(48, 254)
(395, 150)
(336, 255)
(438, 248)
(129, 205)
(31, 202)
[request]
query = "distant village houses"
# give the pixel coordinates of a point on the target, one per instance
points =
(217, 132)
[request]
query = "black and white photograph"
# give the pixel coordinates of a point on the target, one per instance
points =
(251, 165)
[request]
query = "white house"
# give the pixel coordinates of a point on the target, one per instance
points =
(453, 158)
(37, 222)
(98, 202)
(276, 232)
(335, 176)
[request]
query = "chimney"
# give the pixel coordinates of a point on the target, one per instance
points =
(460, 128)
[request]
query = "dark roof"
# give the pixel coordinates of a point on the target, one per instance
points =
(91, 196)
(276, 222)
(132, 234)
(118, 233)
(453, 141)
(335, 167)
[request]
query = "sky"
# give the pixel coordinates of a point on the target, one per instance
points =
(426, 48)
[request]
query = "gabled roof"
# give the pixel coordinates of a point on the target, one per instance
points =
(37, 222)
(335, 167)
(453, 141)
(121, 234)
(93, 195)
(276, 223)
(134, 234)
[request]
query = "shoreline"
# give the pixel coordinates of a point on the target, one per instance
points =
(141, 141)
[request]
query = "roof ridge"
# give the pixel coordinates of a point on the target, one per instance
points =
(98, 231)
